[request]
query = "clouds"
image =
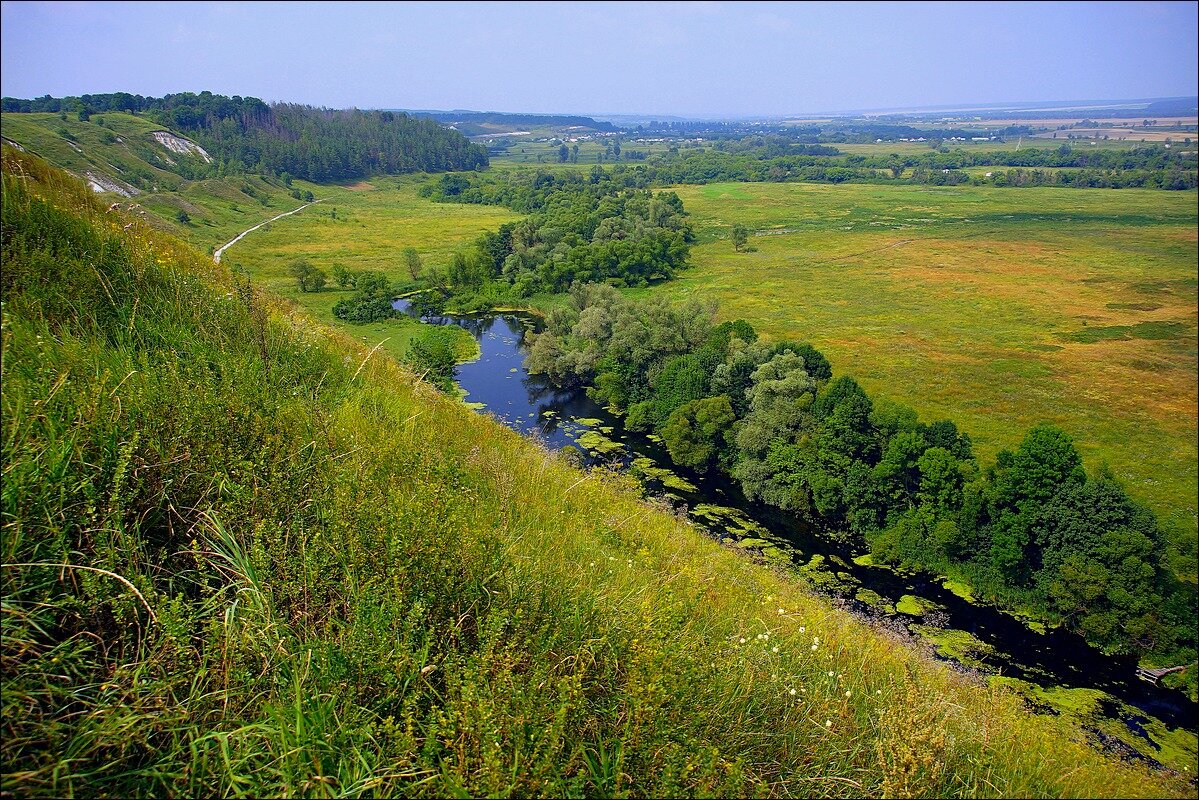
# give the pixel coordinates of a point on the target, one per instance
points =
(669, 58)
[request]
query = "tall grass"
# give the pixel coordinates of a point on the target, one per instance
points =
(355, 586)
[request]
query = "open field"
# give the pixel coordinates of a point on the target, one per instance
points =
(996, 308)
(1010, 145)
(1127, 134)
(365, 226)
(1056, 122)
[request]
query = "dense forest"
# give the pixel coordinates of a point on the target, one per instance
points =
(1032, 530)
(317, 144)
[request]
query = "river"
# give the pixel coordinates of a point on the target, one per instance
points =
(999, 643)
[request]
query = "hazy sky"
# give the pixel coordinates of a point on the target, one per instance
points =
(695, 59)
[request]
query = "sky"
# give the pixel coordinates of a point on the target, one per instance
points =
(707, 59)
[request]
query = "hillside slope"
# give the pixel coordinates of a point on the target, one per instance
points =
(319, 144)
(244, 556)
(130, 158)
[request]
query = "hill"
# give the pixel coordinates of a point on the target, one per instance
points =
(131, 159)
(319, 144)
(244, 555)
(491, 123)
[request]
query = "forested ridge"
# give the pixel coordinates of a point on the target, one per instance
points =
(1032, 530)
(317, 144)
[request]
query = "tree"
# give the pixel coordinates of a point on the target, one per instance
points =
(740, 236)
(563, 154)
(780, 401)
(308, 277)
(412, 262)
(697, 433)
(183, 218)
(432, 357)
(372, 301)
(344, 278)
(1045, 463)
(940, 480)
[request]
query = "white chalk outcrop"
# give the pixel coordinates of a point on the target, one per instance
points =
(177, 144)
(99, 182)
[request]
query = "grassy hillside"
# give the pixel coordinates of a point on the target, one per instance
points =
(992, 307)
(242, 555)
(119, 150)
(376, 220)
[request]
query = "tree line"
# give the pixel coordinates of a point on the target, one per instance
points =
(1033, 529)
(579, 229)
(1142, 167)
(244, 134)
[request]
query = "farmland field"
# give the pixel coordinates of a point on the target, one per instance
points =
(997, 308)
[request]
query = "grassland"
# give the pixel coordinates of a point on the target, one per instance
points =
(310, 575)
(365, 226)
(997, 308)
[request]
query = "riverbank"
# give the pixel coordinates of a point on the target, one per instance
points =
(1048, 666)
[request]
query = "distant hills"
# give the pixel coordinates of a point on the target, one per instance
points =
(494, 123)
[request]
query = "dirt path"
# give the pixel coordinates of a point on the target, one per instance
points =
(216, 254)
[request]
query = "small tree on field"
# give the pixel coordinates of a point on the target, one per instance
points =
(412, 262)
(183, 217)
(740, 237)
(308, 277)
(344, 278)
(563, 153)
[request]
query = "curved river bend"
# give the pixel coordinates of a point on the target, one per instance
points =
(498, 383)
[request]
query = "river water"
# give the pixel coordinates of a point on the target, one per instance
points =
(499, 384)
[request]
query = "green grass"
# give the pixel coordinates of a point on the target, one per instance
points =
(365, 226)
(997, 308)
(319, 577)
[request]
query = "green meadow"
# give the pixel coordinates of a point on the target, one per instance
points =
(997, 308)
(364, 226)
